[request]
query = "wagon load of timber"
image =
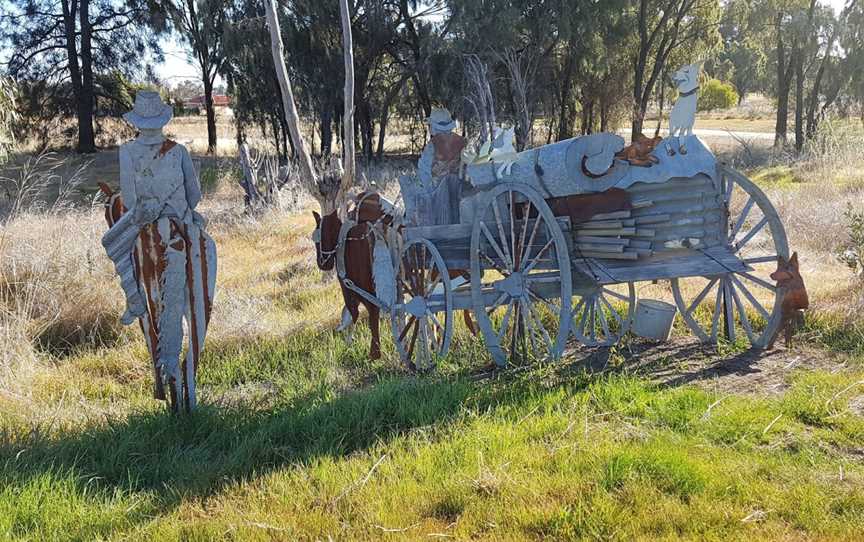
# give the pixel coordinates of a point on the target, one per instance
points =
(617, 211)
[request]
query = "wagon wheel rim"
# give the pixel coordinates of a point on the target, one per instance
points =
(598, 319)
(745, 304)
(422, 317)
(523, 309)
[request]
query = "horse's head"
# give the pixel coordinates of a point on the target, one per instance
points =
(114, 207)
(326, 237)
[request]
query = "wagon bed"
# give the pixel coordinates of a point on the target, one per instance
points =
(690, 219)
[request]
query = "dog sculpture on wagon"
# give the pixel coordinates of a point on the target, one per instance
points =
(546, 245)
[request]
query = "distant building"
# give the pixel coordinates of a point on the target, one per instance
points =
(221, 103)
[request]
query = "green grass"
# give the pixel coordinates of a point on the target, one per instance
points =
(333, 445)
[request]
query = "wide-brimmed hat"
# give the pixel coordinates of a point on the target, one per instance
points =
(441, 121)
(149, 111)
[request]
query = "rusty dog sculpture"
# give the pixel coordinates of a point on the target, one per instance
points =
(795, 299)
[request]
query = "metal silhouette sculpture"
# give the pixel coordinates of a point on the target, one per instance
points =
(165, 259)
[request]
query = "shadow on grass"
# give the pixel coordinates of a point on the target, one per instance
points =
(196, 455)
(174, 458)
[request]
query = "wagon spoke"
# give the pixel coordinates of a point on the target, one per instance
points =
(547, 303)
(760, 259)
(743, 314)
(497, 303)
(730, 186)
(715, 319)
(526, 208)
(536, 260)
(530, 244)
(612, 311)
(413, 340)
(742, 218)
(434, 319)
(701, 296)
(729, 309)
(503, 237)
(603, 321)
(751, 298)
(432, 285)
(411, 321)
(760, 282)
(491, 239)
(616, 295)
(752, 233)
(506, 320)
(539, 323)
(494, 265)
(527, 328)
(513, 252)
(583, 319)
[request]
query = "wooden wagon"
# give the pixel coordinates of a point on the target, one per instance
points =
(537, 281)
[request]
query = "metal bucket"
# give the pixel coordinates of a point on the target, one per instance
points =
(653, 319)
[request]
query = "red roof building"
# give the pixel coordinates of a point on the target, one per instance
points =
(219, 100)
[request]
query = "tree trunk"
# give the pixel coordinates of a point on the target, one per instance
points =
(84, 95)
(348, 123)
(782, 123)
(566, 114)
(290, 109)
(211, 114)
(326, 121)
(639, 64)
(799, 100)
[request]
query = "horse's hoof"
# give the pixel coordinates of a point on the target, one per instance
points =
(682, 150)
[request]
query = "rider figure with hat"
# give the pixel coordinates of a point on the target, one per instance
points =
(160, 190)
(439, 171)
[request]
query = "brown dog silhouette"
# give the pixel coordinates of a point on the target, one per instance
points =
(791, 285)
(638, 152)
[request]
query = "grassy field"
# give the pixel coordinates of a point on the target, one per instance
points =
(300, 436)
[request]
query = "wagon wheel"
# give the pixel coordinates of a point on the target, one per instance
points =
(756, 236)
(523, 308)
(596, 317)
(422, 317)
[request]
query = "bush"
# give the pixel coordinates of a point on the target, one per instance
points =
(717, 95)
(853, 255)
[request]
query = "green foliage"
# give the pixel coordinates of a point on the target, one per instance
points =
(715, 94)
(853, 255)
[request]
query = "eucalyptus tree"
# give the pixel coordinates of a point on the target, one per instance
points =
(58, 42)
(665, 27)
(252, 83)
(201, 23)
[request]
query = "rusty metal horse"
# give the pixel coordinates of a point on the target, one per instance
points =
(149, 260)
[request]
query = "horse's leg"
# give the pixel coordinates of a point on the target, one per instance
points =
(147, 270)
(198, 296)
(173, 301)
(469, 322)
(352, 308)
(374, 316)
